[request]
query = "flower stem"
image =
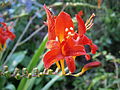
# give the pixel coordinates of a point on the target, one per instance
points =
(62, 66)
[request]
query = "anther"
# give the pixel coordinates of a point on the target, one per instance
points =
(69, 33)
(89, 19)
(56, 38)
(66, 29)
(71, 28)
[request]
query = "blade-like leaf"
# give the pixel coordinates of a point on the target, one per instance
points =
(15, 59)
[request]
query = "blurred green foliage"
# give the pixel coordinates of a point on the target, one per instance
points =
(105, 33)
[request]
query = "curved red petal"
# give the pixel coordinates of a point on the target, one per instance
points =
(10, 34)
(3, 39)
(73, 51)
(51, 57)
(6, 33)
(91, 65)
(81, 25)
(63, 22)
(87, 56)
(94, 48)
(71, 64)
(52, 44)
(4, 24)
(80, 13)
(50, 23)
(71, 41)
(84, 40)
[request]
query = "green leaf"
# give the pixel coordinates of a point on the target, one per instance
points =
(10, 87)
(33, 63)
(15, 59)
(29, 84)
(97, 79)
(2, 81)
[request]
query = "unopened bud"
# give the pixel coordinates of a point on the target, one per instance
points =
(29, 75)
(5, 68)
(35, 71)
(49, 71)
(7, 74)
(16, 71)
(40, 74)
(24, 71)
(17, 76)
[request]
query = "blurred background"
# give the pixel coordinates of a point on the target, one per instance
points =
(28, 17)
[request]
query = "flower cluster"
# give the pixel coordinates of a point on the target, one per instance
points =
(65, 44)
(5, 34)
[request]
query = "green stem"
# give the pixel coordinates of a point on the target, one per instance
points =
(51, 82)
(33, 62)
(75, 4)
(30, 82)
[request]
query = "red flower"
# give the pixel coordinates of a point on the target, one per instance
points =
(5, 33)
(64, 42)
(87, 67)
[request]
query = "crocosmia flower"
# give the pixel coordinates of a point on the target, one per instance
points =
(5, 34)
(65, 43)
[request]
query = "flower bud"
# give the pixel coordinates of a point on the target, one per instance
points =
(16, 71)
(18, 76)
(35, 71)
(7, 74)
(29, 75)
(24, 71)
(5, 68)
(49, 71)
(40, 74)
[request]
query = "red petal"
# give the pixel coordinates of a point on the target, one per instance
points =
(70, 41)
(72, 48)
(71, 64)
(81, 25)
(3, 39)
(52, 44)
(63, 21)
(4, 24)
(84, 40)
(50, 23)
(94, 48)
(91, 65)
(87, 56)
(73, 51)
(6, 33)
(77, 51)
(10, 34)
(51, 57)
(80, 13)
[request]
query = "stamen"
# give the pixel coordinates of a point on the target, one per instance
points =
(71, 28)
(1, 47)
(58, 65)
(89, 23)
(69, 33)
(78, 74)
(93, 15)
(89, 26)
(74, 57)
(5, 46)
(62, 66)
(67, 36)
(56, 38)
(66, 29)
(72, 34)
